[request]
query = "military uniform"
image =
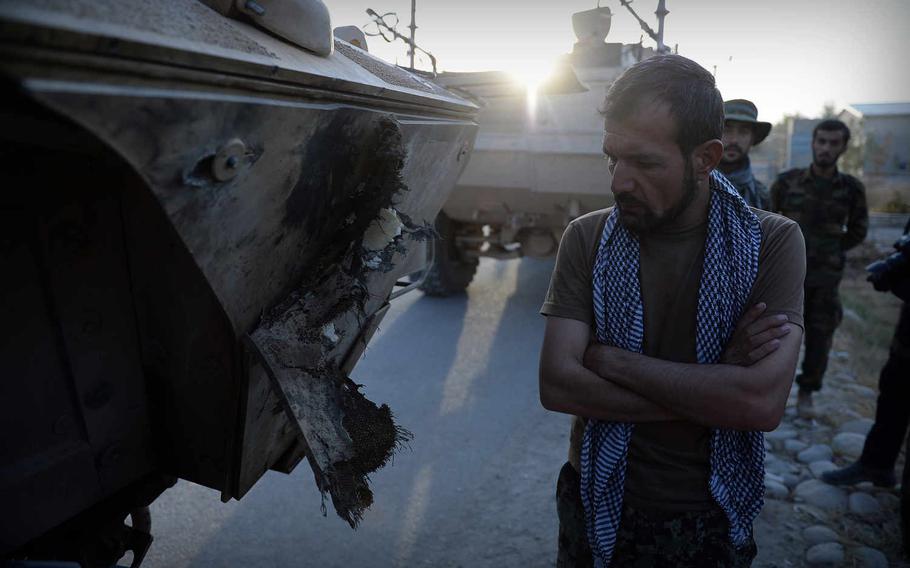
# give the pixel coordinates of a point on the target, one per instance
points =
(833, 217)
(754, 192)
(647, 539)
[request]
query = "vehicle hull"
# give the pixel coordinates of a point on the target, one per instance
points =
(165, 197)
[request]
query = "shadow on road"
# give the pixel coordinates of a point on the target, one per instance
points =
(476, 487)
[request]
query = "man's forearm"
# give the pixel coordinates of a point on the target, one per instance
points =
(723, 396)
(575, 390)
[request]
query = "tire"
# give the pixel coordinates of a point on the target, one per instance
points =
(450, 273)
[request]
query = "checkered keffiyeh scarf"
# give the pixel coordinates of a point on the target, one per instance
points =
(737, 457)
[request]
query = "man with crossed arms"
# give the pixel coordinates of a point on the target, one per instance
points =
(650, 344)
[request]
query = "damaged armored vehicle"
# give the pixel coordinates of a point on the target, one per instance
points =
(538, 161)
(207, 208)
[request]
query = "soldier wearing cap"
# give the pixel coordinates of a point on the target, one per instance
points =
(830, 207)
(742, 131)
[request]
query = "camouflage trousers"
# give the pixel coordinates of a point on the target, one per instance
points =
(647, 540)
(822, 313)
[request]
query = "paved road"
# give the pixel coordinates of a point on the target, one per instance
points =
(476, 488)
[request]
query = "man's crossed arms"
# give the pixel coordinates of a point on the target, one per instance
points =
(747, 390)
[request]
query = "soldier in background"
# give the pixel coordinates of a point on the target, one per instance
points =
(742, 131)
(830, 207)
(892, 414)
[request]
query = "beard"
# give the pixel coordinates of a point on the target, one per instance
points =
(731, 165)
(644, 220)
(824, 161)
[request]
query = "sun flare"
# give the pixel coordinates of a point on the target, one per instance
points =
(532, 76)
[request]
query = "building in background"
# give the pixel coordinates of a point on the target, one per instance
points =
(882, 131)
(879, 152)
(799, 142)
(770, 157)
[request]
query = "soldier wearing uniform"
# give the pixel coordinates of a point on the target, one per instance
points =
(892, 414)
(742, 131)
(830, 207)
(666, 462)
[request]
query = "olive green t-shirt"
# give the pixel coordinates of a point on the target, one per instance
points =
(668, 465)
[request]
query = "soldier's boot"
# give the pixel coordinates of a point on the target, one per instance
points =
(804, 406)
(815, 362)
(857, 473)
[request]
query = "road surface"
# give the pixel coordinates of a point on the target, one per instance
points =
(476, 487)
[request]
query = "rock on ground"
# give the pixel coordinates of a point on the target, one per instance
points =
(779, 467)
(819, 534)
(825, 554)
(848, 444)
(863, 504)
(819, 467)
(889, 501)
(858, 426)
(821, 495)
(862, 391)
(816, 452)
(777, 490)
(865, 557)
(791, 480)
(795, 446)
(779, 436)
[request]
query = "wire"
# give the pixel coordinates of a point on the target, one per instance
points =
(382, 26)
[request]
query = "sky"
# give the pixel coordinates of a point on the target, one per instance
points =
(787, 56)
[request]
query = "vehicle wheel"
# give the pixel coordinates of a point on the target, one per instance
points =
(451, 272)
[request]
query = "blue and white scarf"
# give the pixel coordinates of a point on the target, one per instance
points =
(737, 458)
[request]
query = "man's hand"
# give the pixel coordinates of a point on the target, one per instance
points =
(755, 337)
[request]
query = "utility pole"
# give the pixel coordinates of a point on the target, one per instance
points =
(413, 28)
(661, 13)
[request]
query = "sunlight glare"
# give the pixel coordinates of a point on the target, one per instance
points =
(532, 75)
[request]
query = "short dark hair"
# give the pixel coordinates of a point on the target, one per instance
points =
(685, 86)
(832, 124)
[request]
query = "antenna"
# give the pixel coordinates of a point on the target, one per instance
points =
(661, 13)
(383, 27)
(413, 28)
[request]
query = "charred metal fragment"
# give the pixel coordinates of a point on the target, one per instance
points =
(301, 341)
(397, 232)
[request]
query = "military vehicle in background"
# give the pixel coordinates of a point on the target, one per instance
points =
(207, 207)
(538, 161)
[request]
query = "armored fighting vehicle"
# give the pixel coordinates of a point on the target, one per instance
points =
(207, 208)
(538, 160)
